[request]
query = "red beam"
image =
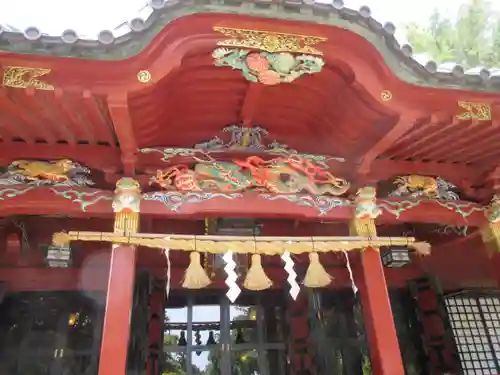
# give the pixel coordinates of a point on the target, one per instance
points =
(44, 201)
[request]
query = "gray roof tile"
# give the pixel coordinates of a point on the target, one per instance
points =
(125, 36)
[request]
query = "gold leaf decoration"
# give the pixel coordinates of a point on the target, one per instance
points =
(386, 95)
(474, 111)
(23, 78)
(270, 41)
(144, 76)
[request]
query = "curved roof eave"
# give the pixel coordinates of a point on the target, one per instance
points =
(132, 37)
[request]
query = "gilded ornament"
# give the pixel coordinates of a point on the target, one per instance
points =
(63, 172)
(474, 111)
(144, 76)
(386, 95)
(269, 41)
(417, 186)
(23, 78)
(268, 68)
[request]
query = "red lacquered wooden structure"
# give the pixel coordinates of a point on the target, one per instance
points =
(221, 115)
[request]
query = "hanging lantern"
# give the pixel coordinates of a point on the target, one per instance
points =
(73, 319)
(239, 336)
(182, 339)
(58, 256)
(197, 341)
(395, 256)
(211, 338)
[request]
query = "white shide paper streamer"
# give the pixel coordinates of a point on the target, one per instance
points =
(168, 274)
(348, 264)
(234, 290)
(292, 275)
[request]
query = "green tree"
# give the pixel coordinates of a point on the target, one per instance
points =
(471, 39)
(173, 363)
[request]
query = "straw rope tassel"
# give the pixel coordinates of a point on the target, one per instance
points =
(126, 222)
(256, 278)
(363, 227)
(195, 277)
(316, 275)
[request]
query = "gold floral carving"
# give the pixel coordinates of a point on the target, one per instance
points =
(238, 244)
(270, 41)
(474, 111)
(23, 78)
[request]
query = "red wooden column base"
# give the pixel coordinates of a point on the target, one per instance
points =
(116, 329)
(381, 331)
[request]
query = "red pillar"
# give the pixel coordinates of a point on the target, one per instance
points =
(381, 331)
(116, 328)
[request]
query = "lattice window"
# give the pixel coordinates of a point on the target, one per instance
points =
(476, 326)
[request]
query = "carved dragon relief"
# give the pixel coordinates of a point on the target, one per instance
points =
(281, 175)
(419, 186)
(63, 172)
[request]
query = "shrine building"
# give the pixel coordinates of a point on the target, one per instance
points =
(242, 187)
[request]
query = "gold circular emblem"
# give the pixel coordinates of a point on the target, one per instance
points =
(386, 95)
(270, 43)
(144, 76)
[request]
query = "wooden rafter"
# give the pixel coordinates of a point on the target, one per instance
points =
(405, 123)
(120, 114)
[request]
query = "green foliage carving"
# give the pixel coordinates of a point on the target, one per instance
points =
(268, 68)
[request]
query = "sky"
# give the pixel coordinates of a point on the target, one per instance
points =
(88, 17)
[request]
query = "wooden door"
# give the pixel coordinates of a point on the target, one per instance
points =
(241, 342)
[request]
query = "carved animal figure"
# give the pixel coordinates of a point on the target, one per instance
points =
(366, 203)
(429, 187)
(59, 171)
(221, 176)
(279, 175)
(127, 195)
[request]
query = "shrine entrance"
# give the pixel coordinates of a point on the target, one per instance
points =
(207, 334)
